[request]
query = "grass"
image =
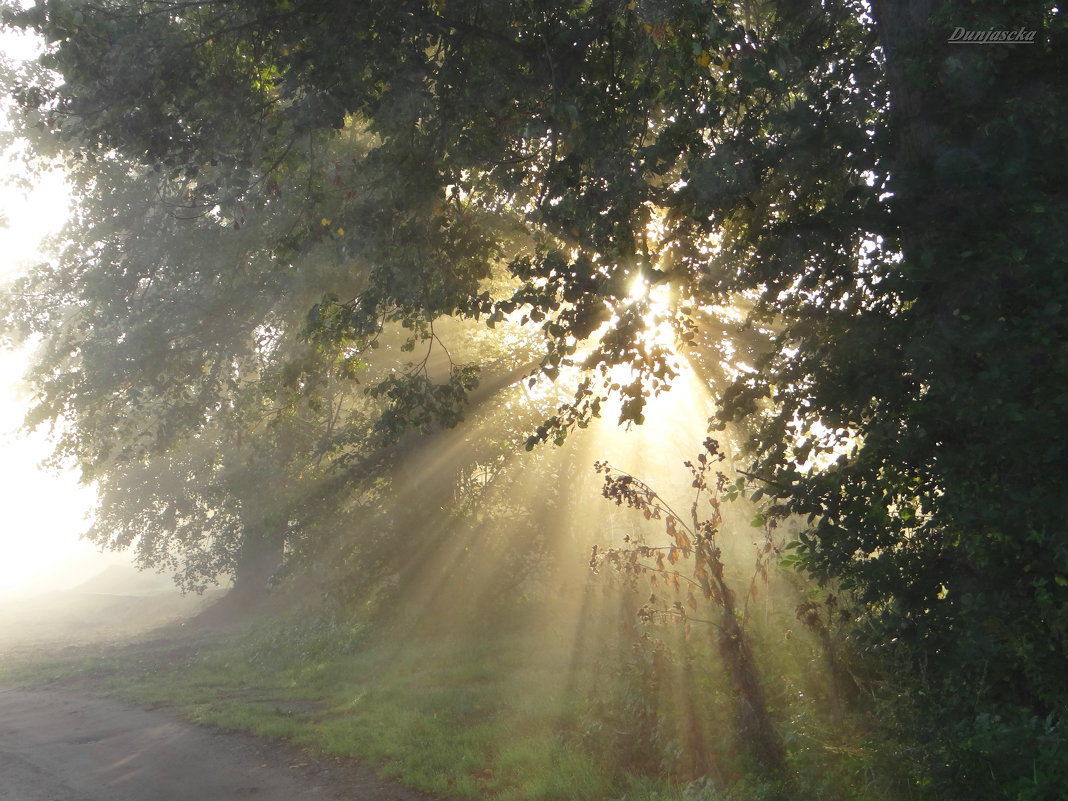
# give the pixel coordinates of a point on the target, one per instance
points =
(454, 716)
(504, 710)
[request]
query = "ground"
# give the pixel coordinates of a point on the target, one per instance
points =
(69, 740)
(59, 744)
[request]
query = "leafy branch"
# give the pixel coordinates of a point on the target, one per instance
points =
(695, 541)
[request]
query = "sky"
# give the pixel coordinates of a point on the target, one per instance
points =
(43, 512)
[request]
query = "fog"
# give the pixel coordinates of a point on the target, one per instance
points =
(54, 586)
(111, 605)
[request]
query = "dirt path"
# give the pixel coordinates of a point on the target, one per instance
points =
(59, 745)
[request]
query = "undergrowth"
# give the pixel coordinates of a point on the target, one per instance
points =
(504, 709)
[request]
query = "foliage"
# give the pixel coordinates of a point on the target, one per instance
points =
(613, 130)
(938, 502)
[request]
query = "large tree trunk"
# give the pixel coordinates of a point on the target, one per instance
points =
(905, 34)
(259, 559)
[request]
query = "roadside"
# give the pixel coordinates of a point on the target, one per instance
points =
(57, 743)
(71, 664)
(497, 711)
(513, 707)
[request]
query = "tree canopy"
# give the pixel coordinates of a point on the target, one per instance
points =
(277, 202)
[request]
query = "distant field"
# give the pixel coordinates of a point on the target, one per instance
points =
(116, 603)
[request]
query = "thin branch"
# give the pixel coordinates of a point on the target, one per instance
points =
(767, 481)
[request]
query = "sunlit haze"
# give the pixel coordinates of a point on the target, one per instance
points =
(44, 513)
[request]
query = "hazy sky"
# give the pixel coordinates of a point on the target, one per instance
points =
(43, 513)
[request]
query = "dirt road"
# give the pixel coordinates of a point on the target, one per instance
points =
(59, 745)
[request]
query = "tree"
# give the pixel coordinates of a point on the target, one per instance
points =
(492, 161)
(939, 399)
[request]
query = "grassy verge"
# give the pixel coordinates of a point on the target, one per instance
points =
(501, 709)
(475, 716)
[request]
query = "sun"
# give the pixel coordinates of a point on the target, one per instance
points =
(658, 309)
